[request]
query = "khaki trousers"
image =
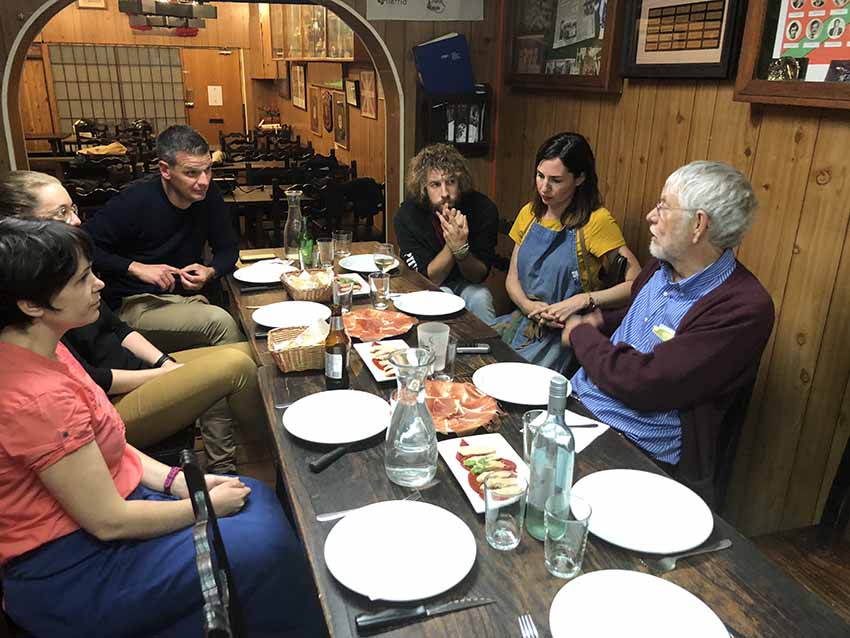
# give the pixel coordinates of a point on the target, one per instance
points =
(174, 322)
(223, 378)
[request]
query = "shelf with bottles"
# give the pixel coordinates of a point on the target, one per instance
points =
(463, 120)
(308, 33)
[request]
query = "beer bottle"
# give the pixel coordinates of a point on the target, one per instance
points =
(337, 346)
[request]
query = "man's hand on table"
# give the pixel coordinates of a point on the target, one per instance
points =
(195, 276)
(160, 275)
(592, 318)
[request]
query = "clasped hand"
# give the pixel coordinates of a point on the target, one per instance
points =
(227, 493)
(455, 227)
(192, 277)
(554, 315)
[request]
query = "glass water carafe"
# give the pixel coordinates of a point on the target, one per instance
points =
(292, 229)
(410, 455)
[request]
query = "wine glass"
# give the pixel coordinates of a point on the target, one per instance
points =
(384, 257)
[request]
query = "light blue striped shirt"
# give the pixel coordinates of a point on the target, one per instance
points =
(657, 309)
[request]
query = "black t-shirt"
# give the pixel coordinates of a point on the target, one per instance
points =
(98, 348)
(417, 237)
(141, 224)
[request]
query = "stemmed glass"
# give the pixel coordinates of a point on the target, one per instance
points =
(384, 257)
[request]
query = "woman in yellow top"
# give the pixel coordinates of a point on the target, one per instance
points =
(563, 237)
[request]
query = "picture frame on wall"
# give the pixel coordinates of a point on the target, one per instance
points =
(284, 89)
(681, 38)
(793, 53)
(368, 95)
(315, 111)
(91, 4)
(298, 85)
(340, 120)
(327, 111)
(565, 45)
(352, 92)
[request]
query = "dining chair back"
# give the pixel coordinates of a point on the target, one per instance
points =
(237, 147)
(365, 198)
(221, 606)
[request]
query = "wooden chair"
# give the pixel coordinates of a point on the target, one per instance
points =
(237, 147)
(221, 607)
(365, 198)
(818, 557)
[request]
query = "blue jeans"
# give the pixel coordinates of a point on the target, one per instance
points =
(80, 586)
(478, 298)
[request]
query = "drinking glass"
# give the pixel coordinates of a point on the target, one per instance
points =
(504, 511)
(326, 251)
(531, 422)
(448, 371)
(384, 257)
(379, 288)
(342, 242)
(434, 336)
(343, 291)
(566, 519)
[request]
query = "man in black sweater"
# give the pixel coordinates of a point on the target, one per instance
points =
(446, 230)
(149, 244)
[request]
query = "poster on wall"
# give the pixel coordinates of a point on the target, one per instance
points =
(340, 120)
(298, 86)
(467, 10)
(315, 118)
(814, 32)
(368, 95)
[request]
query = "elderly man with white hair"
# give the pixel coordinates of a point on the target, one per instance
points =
(688, 345)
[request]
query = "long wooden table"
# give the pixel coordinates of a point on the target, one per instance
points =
(744, 588)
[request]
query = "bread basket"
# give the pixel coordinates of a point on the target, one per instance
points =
(301, 288)
(295, 359)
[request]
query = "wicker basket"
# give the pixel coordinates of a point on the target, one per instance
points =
(320, 294)
(295, 359)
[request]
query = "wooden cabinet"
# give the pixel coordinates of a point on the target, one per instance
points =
(262, 64)
(463, 120)
(312, 33)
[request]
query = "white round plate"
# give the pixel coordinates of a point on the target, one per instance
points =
(645, 512)
(400, 551)
(290, 314)
(522, 383)
(263, 272)
(614, 602)
(363, 263)
(337, 416)
(430, 303)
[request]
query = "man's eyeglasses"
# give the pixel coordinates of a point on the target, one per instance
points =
(662, 207)
(64, 213)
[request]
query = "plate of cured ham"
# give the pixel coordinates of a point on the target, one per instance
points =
(376, 356)
(459, 407)
(368, 324)
(473, 459)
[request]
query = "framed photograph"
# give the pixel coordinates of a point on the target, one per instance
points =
(327, 111)
(565, 45)
(283, 87)
(681, 38)
(368, 95)
(795, 52)
(352, 92)
(91, 4)
(298, 85)
(340, 120)
(315, 108)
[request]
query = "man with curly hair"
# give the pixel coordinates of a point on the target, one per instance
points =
(446, 230)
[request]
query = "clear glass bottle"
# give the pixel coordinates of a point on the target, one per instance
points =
(410, 454)
(292, 229)
(552, 458)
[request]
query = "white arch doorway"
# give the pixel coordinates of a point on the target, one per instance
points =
(35, 14)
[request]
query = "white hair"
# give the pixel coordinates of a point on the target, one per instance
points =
(722, 193)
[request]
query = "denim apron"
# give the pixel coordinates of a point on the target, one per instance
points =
(547, 267)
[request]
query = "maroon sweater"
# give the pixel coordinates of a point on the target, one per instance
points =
(707, 367)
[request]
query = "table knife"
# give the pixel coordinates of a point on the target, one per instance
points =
(378, 620)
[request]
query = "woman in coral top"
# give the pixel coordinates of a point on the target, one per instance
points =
(563, 238)
(95, 537)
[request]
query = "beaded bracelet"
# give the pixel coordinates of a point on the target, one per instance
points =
(169, 480)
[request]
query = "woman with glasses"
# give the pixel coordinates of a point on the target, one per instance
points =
(564, 238)
(95, 536)
(156, 394)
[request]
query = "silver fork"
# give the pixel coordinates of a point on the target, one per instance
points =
(416, 495)
(527, 628)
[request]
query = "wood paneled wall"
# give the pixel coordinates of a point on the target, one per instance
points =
(796, 428)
